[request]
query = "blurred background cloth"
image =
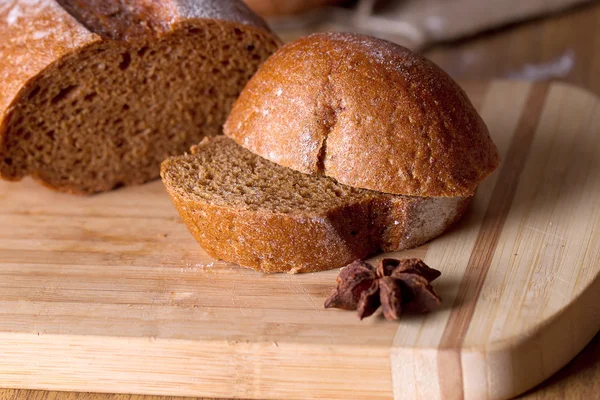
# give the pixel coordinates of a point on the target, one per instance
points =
(413, 23)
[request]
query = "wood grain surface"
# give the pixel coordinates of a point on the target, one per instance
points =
(538, 46)
(103, 293)
(502, 53)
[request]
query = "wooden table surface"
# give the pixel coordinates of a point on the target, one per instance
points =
(565, 47)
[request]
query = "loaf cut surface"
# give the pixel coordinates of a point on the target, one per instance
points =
(366, 112)
(97, 94)
(245, 209)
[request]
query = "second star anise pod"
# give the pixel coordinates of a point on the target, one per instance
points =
(395, 285)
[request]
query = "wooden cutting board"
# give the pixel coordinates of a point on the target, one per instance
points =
(111, 294)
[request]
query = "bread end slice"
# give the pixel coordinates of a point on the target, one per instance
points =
(245, 209)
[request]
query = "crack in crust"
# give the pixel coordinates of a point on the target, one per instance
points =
(329, 119)
(328, 116)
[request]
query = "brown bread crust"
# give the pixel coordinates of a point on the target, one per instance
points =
(42, 42)
(367, 112)
(273, 8)
(304, 241)
(143, 19)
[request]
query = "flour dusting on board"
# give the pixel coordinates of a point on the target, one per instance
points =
(557, 68)
(189, 267)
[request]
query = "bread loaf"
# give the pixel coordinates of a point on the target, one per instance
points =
(367, 112)
(371, 148)
(95, 94)
(245, 209)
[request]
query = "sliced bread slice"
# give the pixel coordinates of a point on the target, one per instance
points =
(245, 209)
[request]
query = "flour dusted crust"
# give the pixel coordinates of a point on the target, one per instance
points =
(84, 132)
(34, 34)
(217, 9)
(366, 112)
(273, 8)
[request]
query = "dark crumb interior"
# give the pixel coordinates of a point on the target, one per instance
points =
(108, 115)
(224, 173)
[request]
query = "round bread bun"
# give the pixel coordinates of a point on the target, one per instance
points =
(272, 8)
(366, 112)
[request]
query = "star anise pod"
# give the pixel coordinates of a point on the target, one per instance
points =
(395, 285)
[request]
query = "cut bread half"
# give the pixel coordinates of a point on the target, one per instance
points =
(367, 112)
(95, 95)
(245, 209)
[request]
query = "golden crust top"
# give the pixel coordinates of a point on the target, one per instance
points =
(367, 112)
